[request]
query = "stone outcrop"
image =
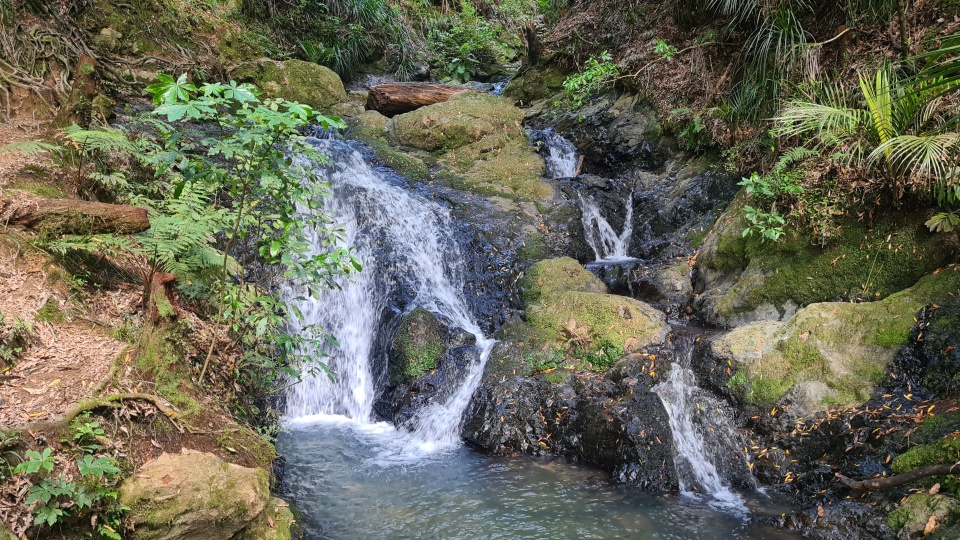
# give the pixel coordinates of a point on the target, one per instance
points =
(294, 80)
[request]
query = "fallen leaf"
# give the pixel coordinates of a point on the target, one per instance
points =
(932, 525)
(166, 479)
(935, 489)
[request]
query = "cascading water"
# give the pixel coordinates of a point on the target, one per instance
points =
(404, 242)
(607, 245)
(561, 156)
(692, 423)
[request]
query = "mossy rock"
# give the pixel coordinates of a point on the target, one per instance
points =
(401, 162)
(843, 346)
(557, 275)
(937, 348)
(943, 452)
(7, 534)
(294, 80)
(746, 279)
(276, 522)
(418, 345)
(912, 516)
(497, 165)
(193, 495)
(463, 119)
(567, 309)
(535, 84)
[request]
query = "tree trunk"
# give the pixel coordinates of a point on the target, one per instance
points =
(391, 99)
(528, 34)
(70, 216)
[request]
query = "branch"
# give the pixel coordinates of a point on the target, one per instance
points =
(873, 484)
(114, 401)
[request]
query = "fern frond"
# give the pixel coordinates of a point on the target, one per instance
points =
(31, 148)
(794, 155)
(107, 140)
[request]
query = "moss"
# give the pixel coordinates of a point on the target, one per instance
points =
(913, 514)
(555, 275)
(463, 119)
(402, 163)
(46, 191)
(533, 249)
(944, 451)
(936, 427)
(294, 80)
(277, 521)
(50, 312)
(497, 165)
(160, 354)
(244, 441)
(864, 262)
(418, 345)
(535, 84)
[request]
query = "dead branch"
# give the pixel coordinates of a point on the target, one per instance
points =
(873, 484)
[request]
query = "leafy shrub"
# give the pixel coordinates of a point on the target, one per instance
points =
(598, 74)
(463, 44)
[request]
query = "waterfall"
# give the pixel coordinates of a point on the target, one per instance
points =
(405, 244)
(693, 422)
(560, 154)
(607, 245)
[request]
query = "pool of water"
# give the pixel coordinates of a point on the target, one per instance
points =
(365, 481)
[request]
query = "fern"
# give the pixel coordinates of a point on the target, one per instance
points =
(31, 148)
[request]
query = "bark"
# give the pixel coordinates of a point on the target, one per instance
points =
(528, 35)
(873, 484)
(71, 216)
(391, 99)
(162, 303)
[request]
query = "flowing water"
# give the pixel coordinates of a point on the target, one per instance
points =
(607, 245)
(354, 477)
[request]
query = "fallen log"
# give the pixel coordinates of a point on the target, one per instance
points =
(391, 99)
(873, 484)
(70, 216)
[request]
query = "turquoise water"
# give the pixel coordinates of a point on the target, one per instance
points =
(350, 482)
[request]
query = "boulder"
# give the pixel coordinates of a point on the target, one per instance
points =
(567, 305)
(932, 359)
(829, 353)
(463, 119)
(276, 522)
(193, 495)
(743, 279)
(294, 80)
(497, 165)
(417, 346)
(921, 515)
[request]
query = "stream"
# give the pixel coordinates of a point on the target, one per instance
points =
(356, 477)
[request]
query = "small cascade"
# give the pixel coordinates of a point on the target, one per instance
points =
(607, 245)
(561, 156)
(406, 246)
(701, 436)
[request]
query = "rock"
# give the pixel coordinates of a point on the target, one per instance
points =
(107, 40)
(941, 452)
(666, 287)
(842, 349)
(276, 522)
(294, 80)
(566, 305)
(373, 120)
(932, 360)
(463, 119)
(921, 514)
(416, 347)
(193, 495)
(740, 280)
(535, 84)
(497, 165)
(620, 427)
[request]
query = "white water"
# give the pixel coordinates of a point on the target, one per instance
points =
(402, 240)
(607, 245)
(697, 474)
(562, 157)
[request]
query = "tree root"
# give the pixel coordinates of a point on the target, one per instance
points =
(873, 484)
(115, 401)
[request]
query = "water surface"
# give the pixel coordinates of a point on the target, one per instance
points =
(351, 483)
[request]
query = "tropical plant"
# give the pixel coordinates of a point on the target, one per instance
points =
(598, 73)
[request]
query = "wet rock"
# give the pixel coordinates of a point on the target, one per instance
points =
(465, 118)
(619, 426)
(294, 80)
(666, 287)
(843, 350)
(193, 495)
(932, 359)
(416, 347)
(534, 84)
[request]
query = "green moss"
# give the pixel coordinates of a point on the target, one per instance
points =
(497, 165)
(244, 441)
(402, 163)
(535, 84)
(46, 191)
(944, 451)
(556, 275)
(418, 345)
(914, 513)
(50, 312)
(294, 80)
(160, 354)
(533, 249)
(936, 427)
(465, 118)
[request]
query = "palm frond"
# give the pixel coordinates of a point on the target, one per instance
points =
(931, 158)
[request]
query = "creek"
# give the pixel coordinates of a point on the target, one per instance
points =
(354, 476)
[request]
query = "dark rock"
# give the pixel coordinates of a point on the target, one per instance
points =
(932, 357)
